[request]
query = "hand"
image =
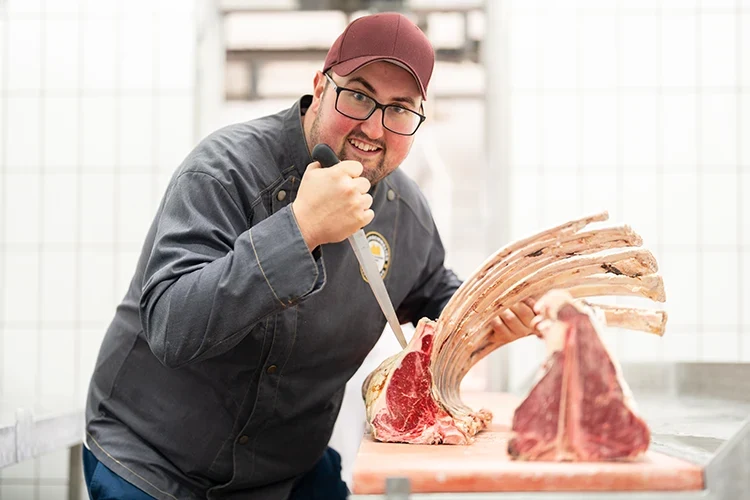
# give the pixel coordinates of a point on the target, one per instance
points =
(515, 321)
(332, 203)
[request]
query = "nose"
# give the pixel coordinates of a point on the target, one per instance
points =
(373, 126)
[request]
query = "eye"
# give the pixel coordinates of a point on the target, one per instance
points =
(399, 110)
(359, 97)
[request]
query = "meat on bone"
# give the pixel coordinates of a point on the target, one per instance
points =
(581, 408)
(413, 396)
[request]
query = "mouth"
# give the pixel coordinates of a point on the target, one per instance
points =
(364, 148)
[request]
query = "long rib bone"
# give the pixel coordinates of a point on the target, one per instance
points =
(558, 274)
(499, 273)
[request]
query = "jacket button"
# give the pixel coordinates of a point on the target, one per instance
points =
(281, 195)
(271, 369)
(391, 195)
(243, 440)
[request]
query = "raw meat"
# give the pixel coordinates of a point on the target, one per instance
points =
(581, 408)
(413, 396)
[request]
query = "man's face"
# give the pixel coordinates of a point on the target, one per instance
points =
(378, 149)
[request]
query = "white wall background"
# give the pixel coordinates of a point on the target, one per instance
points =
(642, 108)
(96, 111)
(637, 107)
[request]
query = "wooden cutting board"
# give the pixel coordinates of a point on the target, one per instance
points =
(484, 466)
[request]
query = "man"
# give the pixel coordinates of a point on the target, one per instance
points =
(222, 372)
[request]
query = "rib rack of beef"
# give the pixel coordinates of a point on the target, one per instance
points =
(413, 396)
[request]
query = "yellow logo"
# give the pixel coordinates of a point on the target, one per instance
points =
(379, 249)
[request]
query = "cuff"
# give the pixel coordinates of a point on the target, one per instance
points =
(290, 270)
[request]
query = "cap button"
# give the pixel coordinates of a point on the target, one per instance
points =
(391, 195)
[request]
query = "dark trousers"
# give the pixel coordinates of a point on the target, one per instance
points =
(323, 482)
(103, 484)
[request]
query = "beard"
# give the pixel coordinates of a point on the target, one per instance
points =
(373, 172)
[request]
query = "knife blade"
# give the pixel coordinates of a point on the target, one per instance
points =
(358, 241)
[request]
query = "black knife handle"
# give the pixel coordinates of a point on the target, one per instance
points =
(324, 154)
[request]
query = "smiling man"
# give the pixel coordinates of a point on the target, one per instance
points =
(222, 372)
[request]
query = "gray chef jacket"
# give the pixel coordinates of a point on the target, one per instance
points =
(222, 372)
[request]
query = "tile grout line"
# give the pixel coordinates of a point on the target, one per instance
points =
(541, 94)
(115, 247)
(739, 205)
(155, 115)
(77, 301)
(580, 176)
(619, 167)
(699, 193)
(40, 229)
(659, 118)
(4, 185)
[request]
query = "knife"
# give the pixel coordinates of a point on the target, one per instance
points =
(327, 158)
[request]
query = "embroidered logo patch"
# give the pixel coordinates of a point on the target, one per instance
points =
(379, 249)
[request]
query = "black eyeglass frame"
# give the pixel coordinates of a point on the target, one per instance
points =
(338, 89)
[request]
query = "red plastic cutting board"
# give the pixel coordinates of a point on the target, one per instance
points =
(484, 466)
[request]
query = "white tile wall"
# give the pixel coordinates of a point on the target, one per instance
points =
(58, 287)
(60, 209)
(136, 136)
(99, 44)
(717, 50)
(678, 48)
(526, 200)
(744, 44)
(24, 54)
(61, 53)
(638, 132)
(559, 149)
(744, 132)
(679, 133)
(60, 153)
(524, 65)
(597, 43)
(525, 147)
(719, 286)
(23, 148)
(96, 111)
(599, 133)
(639, 59)
(24, 207)
(719, 210)
(679, 269)
(96, 294)
(654, 128)
(641, 206)
(558, 44)
(680, 209)
(21, 291)
(718, 132)
(57, 369)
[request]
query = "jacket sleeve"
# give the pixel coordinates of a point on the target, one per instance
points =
(209, 279)
(434, 288)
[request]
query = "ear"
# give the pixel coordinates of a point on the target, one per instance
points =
(319, 86)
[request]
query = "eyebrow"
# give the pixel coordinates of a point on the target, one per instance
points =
(371, 89)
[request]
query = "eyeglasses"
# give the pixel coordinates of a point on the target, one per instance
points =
(358, 106)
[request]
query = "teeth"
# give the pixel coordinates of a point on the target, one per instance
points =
(361, 145)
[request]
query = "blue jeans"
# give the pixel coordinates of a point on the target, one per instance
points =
(322, 482)
(103, 484)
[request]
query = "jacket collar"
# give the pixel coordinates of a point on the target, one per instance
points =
(296, 143)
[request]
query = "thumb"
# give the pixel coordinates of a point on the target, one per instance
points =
(314, 165)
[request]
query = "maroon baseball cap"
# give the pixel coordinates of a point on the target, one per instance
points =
(388, 36)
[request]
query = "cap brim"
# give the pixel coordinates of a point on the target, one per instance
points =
(347, 67)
